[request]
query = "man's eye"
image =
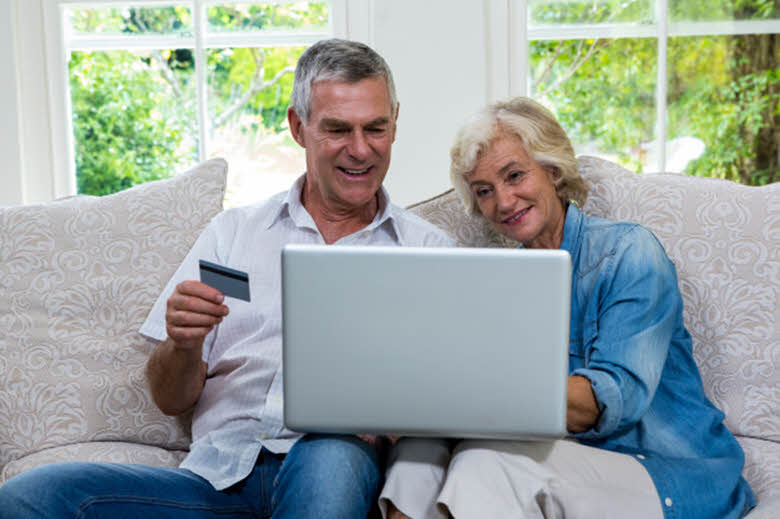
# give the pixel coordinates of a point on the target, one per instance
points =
(375, 130)
(337, 130)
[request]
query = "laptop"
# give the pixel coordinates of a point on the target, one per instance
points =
(444, 342)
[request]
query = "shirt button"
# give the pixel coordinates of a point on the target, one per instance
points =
(640, 456)
(668, 501)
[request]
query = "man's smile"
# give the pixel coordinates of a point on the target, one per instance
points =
(354, 172)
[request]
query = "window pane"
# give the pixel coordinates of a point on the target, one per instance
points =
(273, 16)
(249, 91)
(546, 12)
(602, 92)
(722, 10)
(722, 105)
(133, 116)
(130, 20)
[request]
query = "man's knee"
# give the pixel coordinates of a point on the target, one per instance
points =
(328, 476)
(343, 458)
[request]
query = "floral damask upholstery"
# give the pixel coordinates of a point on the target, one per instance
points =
(724, 239)
(77, 278)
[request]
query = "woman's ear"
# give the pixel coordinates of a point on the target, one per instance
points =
(554, 172)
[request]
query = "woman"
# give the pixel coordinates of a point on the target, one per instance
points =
(644, 439)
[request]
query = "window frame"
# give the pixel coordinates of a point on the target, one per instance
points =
(46, 168)
(59, 45)
(510, 29)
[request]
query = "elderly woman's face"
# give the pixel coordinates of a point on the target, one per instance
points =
(517, 195)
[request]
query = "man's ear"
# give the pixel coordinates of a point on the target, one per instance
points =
(296, 126)
(395, 119)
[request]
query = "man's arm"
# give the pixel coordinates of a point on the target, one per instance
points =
(175, 370)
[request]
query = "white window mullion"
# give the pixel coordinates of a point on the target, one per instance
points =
(127, 42)
(661, 87)
(518, 48)
(63, 159)
(199, 23)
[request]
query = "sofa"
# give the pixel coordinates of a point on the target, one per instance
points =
(78, 276)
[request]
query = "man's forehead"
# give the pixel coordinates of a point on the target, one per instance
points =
(330, 96)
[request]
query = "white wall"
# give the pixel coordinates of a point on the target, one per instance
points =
(437, 55)
(11, 188)
(446, 56)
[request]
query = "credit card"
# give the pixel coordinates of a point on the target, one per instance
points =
(230, 282)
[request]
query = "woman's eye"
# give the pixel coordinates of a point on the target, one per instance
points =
(483, 191)
(515, 175)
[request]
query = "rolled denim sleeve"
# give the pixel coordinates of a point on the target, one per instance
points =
(637, 309)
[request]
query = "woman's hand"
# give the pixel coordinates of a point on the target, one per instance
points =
(582, 410)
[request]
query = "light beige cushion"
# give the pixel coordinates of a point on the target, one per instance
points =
(102, 452)
(724, 239)
(77, 278)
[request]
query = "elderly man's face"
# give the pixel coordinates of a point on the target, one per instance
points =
(348, 139)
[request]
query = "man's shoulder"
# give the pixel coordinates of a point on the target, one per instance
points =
(416, 231)
(258, 213)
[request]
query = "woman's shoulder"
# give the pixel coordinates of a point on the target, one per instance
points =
(609, 241)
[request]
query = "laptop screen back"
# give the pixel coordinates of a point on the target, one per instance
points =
(426, 341)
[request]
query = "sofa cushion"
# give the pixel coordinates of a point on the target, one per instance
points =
(77, 278)
(762, 466)
(724, 239)
(100, 452)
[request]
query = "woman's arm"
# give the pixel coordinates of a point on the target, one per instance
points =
(582, 410)
(639, 308)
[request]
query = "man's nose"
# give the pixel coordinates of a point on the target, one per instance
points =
(358, 146)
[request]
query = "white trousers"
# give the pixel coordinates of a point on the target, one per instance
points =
(503, 479)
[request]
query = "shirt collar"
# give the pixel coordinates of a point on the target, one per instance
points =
(291, 206)
(572, 230)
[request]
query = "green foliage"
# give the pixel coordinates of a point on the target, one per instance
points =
(134, 114)
(289, 15)
(544, 12)
(721, 90)
(122, 137)
(609, 100)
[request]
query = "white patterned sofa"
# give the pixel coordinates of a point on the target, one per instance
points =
(78, 276)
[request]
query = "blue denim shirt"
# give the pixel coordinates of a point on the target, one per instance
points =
(628, 338)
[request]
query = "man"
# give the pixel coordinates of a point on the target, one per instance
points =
(222, 359)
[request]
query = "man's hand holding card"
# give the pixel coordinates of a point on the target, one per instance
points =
(231, 282)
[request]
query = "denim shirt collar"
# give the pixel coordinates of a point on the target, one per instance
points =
(572, 232)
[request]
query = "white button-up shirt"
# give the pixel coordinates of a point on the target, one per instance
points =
(240, 409)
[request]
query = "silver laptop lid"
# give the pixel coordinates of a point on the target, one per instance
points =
(426, 341)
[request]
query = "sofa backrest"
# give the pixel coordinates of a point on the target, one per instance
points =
(724, 239)
(77, 279)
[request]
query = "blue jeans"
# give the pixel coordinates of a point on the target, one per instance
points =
(321, 476)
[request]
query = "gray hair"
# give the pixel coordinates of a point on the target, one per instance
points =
(543, 139)
(341, 60)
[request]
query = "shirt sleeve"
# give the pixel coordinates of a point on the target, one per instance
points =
(639, 308)
(205, 247)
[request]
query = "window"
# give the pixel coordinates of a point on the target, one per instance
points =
(156, 86)
(666, 85)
